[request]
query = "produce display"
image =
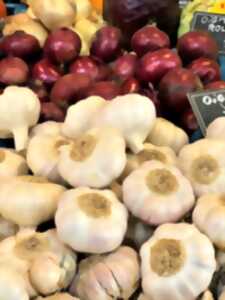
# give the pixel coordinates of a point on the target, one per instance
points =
(102, 194)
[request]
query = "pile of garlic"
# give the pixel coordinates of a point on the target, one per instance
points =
(138, 212)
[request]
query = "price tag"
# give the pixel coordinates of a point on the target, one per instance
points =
(214, 24)
(207, 106)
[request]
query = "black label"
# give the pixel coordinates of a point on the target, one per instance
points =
(207, 106)
(214, 24)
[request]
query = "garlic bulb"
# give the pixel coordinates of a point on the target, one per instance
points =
(150, 152)
(29, 200)
(12, 164)
(31, 254)
(24, 22)
(54, 13)
(165, 133)
(79, 115)
(216, 130)
(157, 193)
(178, 262)
(20, 109)
(134, 115)
(85, 45)
(87, 28)
(46, 128)
(209, 217)
(107, 277)
(94, 159)
(97, 218)
(43, 153)
(58, 296)
(7, 228)
(203, 164)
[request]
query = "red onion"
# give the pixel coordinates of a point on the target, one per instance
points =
(105, 89)
(13, 70)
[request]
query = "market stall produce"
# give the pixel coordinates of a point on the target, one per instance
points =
(103, 194)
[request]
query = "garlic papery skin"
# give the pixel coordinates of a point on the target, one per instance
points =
(20, 109)
(150, 152)
(107, 277)
(12, 163)
(165, 133)
(29, 200)
(7, 228)
(203, 163)
(12, 285)
(95, 159)
(43, 153)
(216, 130)
(54, 13)
(209, 217)
(98, 219)
(58, 296)
(178, 262)
(134, 115)
(79, 116)
(46, 128)
(156, 193)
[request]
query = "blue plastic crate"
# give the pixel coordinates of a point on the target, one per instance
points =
(14, 7)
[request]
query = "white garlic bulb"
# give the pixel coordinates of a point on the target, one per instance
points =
(12, 163)
(157, 193)
(94, 159)
(107, 277)
(177, 263)
(207, 296)
(203, 164)
(134, 115)
(58, 296)
(29, 200)
(216, 130)
(165, 133)
(150, 152)
(91, 220)
(79, 116)
(49, 128)
(209, 217)
(84, 8)
(43, 153)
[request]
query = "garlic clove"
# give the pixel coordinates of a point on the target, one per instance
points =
(209, 216)
(12, 164)
(29, 200)
(43, 153)
(95, 159)
(178, 262)
(203, 164)
(165, 133)
(134, 115)
(46, 128)
(216, 129)
(20, 109)
(81, 112)
(157, 193)
(97, 216)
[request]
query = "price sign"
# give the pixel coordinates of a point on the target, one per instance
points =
(214, 24)
(207, 106)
